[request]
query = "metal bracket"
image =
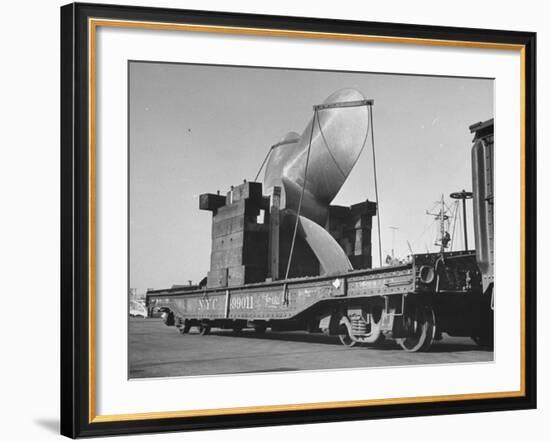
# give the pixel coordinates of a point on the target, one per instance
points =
(227, 295)
(285, 294)
(339, 287)
(388, 311)
(355, 103)
(398, 283)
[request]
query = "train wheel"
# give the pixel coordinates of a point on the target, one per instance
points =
(185, 329)
(422, 323)
(169, 318)
(204, 330)
(484, 336)
(345, 338)
(260, 329)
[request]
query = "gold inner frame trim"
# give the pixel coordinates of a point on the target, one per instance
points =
(93, 24)
(298, 407)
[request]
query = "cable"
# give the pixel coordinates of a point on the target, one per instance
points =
(328, 148)
(455, 218)
(301, 199)
(459, 228)
(371, 125)
(263, 163)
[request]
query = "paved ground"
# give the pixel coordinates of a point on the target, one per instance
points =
(157, 351)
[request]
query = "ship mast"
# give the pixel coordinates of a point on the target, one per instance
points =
(444, 237)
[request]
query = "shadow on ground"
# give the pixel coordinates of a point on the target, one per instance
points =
(52, 425)
(438, 347)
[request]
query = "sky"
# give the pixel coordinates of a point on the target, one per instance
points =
(197, 129)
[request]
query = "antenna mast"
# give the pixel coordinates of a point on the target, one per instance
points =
(444, 237)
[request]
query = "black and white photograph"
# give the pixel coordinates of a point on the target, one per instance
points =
(290, 219)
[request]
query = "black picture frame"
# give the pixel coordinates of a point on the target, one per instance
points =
(76, 403)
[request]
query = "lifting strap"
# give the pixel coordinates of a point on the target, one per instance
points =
(371, 125)
(370, 129)
(301, 198)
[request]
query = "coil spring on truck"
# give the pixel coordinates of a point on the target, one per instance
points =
(358, 325)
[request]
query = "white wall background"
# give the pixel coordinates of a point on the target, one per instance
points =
(29, 221)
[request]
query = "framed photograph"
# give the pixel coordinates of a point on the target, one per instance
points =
(274, 220)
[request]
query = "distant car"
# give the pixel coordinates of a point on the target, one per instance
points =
(137, 310)
(157, 312)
